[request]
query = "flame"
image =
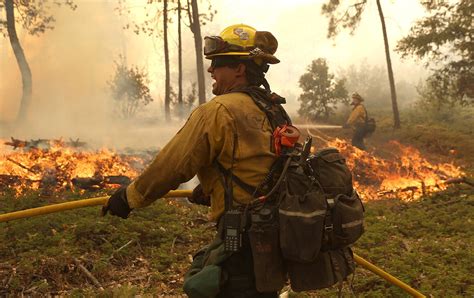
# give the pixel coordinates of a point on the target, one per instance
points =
(56, 166)
(405, 174)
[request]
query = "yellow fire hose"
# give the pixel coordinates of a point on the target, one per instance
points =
(74, 205)
(387, 276)
(184, 193)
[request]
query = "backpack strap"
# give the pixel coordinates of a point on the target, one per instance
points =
(227, 177)
(366, 114)
(269, 103)
(228, 173)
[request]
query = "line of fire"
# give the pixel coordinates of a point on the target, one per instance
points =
(53, 166)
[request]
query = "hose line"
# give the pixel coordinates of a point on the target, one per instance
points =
(387, 276)
(74, 205)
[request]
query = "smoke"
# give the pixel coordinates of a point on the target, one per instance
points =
(70, 67)
(72, 63)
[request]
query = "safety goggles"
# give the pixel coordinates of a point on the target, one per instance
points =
(221, 61)
(216, 45)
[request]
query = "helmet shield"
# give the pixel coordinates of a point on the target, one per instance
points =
(244, 41)
(213, 45)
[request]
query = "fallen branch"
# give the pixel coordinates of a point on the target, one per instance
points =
(94, 183)
(459, 180)
(120, 248)
(172, 244)
(88, 274)
(397, 190)
(16, 143)
(21, 166)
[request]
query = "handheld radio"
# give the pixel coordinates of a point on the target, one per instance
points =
(232, 230)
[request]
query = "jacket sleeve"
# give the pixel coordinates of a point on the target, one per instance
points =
(196, 145)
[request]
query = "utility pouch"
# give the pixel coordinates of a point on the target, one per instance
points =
(268, 265)
(204, 278)
(347, 216)
(202, 281)
(329, 268)
(301, 225)
(205, 283)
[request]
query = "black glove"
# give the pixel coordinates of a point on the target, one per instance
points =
(198, 197)
(117, 204)
(345, 125)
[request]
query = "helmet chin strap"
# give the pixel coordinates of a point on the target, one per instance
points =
(266, 85)
(264, 67)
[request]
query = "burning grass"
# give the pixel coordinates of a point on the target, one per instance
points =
(405, 174)
(55, 167)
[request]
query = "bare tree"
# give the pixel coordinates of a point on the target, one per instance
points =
(195, 26)
(34, 17)
(180, 61)
(167, 60)
(349, 17)
(393, 92)
(195, 21)
(26, 77)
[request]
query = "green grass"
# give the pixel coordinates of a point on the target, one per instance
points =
(38, 253)
(428, 244)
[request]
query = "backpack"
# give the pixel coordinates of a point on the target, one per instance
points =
(303, 226)
(369, 125)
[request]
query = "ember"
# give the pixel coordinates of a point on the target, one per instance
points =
(407, 175)
(56, 166)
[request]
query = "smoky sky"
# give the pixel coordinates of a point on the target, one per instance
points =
(72, 63)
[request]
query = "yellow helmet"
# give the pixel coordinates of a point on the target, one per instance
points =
(356, 96)
(242, 40)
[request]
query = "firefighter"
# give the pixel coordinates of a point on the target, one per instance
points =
(357, 120)
(230, 130)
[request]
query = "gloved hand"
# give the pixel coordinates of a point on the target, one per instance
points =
(345, 125)
(117, 204)
(198, 197)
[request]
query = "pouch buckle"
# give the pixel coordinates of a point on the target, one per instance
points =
(328, 228)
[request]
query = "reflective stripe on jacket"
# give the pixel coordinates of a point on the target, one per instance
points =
(208, 135)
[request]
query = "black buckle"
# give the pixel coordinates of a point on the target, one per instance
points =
(328, 228)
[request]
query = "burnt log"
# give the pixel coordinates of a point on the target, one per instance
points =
(16, 143)
(88, 183)
(98, 182)
(118, 179)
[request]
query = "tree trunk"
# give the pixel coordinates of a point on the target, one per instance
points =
(196, 29)
(26, 78)
(167, 60)
(180, 64)
(396, 116)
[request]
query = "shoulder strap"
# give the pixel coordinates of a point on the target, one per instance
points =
(366, 113)
(228, 173)
(269, 103)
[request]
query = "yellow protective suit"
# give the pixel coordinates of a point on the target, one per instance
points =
(211, 132)
(357, 116)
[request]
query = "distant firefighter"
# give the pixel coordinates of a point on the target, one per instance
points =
(358, 121)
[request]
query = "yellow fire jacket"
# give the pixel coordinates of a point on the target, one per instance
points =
(211, 132)
(357, 116)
